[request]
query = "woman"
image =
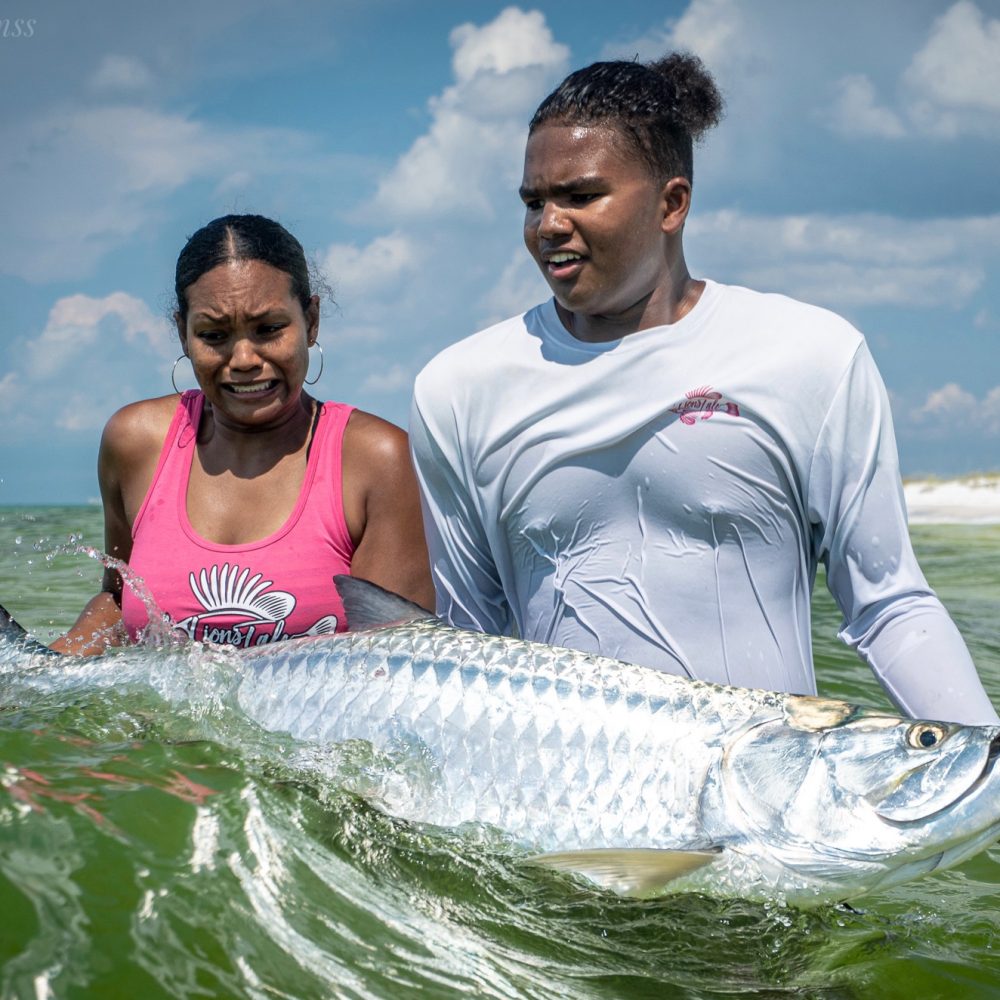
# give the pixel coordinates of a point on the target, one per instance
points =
(236, 504)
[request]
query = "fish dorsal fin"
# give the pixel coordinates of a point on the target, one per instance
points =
(633, 871)
(13, 633)
(369, 606)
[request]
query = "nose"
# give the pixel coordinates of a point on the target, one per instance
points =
(244, 355)
(553, 221)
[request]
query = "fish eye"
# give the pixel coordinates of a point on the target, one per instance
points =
(925, 735)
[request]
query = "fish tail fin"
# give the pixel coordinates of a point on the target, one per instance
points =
(369, 606)
(14, 634)
(633, 871)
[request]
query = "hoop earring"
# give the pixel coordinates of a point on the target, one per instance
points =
(317, 378)
(173, 373)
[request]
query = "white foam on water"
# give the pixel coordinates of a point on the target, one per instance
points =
(970, 500)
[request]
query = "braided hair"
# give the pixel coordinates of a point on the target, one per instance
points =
(660, 108)
(238, 238)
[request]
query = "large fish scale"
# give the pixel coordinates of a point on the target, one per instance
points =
(562, 749)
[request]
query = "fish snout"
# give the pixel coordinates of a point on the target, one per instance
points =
(994, 753)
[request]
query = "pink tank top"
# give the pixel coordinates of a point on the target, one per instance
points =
(277, 588)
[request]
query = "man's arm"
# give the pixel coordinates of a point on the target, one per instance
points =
(467, 585)
(891, 616)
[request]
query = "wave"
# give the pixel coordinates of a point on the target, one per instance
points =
(967, 500)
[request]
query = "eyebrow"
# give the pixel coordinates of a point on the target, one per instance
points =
(563, 187)
(253, 317)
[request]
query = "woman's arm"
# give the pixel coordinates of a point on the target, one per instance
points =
(130, 448)
(382, 507)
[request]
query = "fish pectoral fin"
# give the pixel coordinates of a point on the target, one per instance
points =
(630, 871)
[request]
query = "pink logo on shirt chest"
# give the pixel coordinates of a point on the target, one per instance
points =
(701, 403)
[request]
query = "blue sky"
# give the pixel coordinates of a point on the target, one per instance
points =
(856, 168)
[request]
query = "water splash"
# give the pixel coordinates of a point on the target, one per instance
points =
(160, 630)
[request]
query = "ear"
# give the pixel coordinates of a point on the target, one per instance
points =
(312, 320)
(676, 200)
(181, 331)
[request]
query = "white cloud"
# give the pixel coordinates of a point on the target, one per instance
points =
(950, 398)
(475, 142)
(713, 29)
(851, 260)
(93, 355)
(358, 273)
(78, 322)
(79, 182)
(520, 285)
(857, 112)
(515, 39)
(951, 402)
(959, 67)
(441, 262)
(984, 320)
(393, 379)
(750, 64)
(118, 72)
(840, 286)
(951, 86)
(991, 410)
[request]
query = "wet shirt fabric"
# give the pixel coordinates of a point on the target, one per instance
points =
(280, 587)
(666, 498)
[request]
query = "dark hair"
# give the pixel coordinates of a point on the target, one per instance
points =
(659, 107)
(241, 237)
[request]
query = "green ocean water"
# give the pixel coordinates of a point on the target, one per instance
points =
(151, 850)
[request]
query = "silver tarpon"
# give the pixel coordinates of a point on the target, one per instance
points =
(640, 780)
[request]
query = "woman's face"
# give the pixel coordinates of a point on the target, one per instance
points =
(248, 340)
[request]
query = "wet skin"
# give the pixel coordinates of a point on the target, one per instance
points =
(588, 195)
(248, 339)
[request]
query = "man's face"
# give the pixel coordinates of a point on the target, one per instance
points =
(594, 221)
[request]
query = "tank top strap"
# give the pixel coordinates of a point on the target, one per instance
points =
(181, 434)
(333, 424)
(327, 458)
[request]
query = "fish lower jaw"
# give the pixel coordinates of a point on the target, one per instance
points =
(762, 876)
(846, 879)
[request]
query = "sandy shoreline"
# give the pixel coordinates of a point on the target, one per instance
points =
(970, 500)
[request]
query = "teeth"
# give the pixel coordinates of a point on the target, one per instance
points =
(251, 387)
(562, 258)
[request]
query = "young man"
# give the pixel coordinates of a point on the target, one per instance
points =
(650, 466)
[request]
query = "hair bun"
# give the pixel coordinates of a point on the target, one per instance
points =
(698, 104)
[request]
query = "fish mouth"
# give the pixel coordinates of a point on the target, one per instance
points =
(989, 765)
(991, 758)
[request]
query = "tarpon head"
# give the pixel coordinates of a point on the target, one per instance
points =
(837, 800)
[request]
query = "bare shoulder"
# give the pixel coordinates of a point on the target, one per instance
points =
(139, 427)
(372, 440)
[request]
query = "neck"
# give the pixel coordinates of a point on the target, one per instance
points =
(240, 448)
(671, 300)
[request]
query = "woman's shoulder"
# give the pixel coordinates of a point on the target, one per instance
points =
(139, 426)
(370, 438)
